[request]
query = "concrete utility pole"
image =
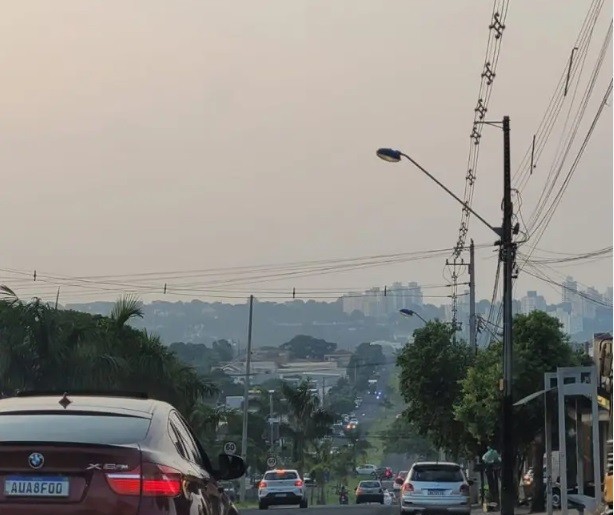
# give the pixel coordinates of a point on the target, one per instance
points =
(271, 392)
(473, 333)
(248, 361)
(508, 251)
(507, 255)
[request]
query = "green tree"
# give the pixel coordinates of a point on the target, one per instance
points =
(223, 350)
(539, 346)
(308, 421)
(42, 348)
(402, 437)
(308, 347)
(431, 370)
(363, 363)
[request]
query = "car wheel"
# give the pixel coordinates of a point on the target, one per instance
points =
(263, 506)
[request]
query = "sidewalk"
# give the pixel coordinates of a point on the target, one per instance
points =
(520, 510)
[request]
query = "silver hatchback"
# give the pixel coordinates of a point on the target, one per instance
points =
(435, 486)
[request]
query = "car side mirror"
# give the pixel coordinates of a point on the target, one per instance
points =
(230, 467)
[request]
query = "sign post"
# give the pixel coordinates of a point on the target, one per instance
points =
(230, 448)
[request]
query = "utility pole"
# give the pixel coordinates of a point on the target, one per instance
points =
(473, 334)
(271, 392)
(323, 389)
(248, 361)
(508, 251)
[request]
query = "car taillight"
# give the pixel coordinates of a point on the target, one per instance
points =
(358, 491)
(298, 482)
(464, 489)
(151, 481)
(262, 484)
(408, 487)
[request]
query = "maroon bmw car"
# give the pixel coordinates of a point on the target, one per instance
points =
(111, 454)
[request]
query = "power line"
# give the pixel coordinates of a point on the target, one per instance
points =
(539, 274)
(555, 105)
(487, 77)
(545, 221)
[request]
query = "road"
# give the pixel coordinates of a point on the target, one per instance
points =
(363, 509)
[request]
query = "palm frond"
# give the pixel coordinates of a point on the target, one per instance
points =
(126, 308)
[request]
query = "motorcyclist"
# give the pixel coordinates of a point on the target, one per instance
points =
(343, 494)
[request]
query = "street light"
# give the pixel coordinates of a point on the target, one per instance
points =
(394, 156)
(271, 392)
(507, 255)
(411, 313)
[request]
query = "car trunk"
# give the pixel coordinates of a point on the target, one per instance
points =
(369, 489)
(71, 478)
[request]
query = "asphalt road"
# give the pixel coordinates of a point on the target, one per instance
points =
(349, 509)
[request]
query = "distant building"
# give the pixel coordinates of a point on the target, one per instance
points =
(609, 295)
(570, 289)
(532, 302)
(589, 302)
(414, 294)
(353, 301)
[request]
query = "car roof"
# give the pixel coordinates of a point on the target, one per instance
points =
(281, 470)
(433, 463)
(92, 403)
(369, 481)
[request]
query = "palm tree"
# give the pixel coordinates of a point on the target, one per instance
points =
(47, 349)
(307, 420)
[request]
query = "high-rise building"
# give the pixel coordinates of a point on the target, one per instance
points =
(609, 295)
(374, 302)
(532, 302)
(589, 302)
(414, 294)
(570, 289)
(353, 301)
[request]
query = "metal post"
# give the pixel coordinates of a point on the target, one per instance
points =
(271, 417)
(562, 414)
(248, 360)
(548, 442)
(508, 497)
(473, 334)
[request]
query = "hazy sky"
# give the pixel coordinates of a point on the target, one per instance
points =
(153, 135)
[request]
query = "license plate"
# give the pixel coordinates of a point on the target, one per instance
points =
(16, 486)
(280, 495)
(435, 492)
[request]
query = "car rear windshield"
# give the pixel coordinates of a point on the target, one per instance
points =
(437, 473)
(276, 476)
(369, 484)
(88, 428)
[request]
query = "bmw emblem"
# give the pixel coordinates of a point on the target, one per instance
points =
(36, 460)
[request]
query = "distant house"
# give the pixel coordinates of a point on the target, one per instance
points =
(341, 357)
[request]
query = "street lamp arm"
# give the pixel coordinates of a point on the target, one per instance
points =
(453, 195)
(420, 317)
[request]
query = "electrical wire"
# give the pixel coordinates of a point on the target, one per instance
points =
(544, 223)
(555, 105)
(491, 60)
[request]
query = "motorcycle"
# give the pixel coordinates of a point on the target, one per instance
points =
(343, 498)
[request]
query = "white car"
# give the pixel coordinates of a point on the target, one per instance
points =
(281, 487)
(436, 486)
(366, 470)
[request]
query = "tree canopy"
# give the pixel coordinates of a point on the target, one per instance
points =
(308, 347)
(42, 348)
(454, 399)
(431, 370)
(365, 360)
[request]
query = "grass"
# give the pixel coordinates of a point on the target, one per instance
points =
(246, 505)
